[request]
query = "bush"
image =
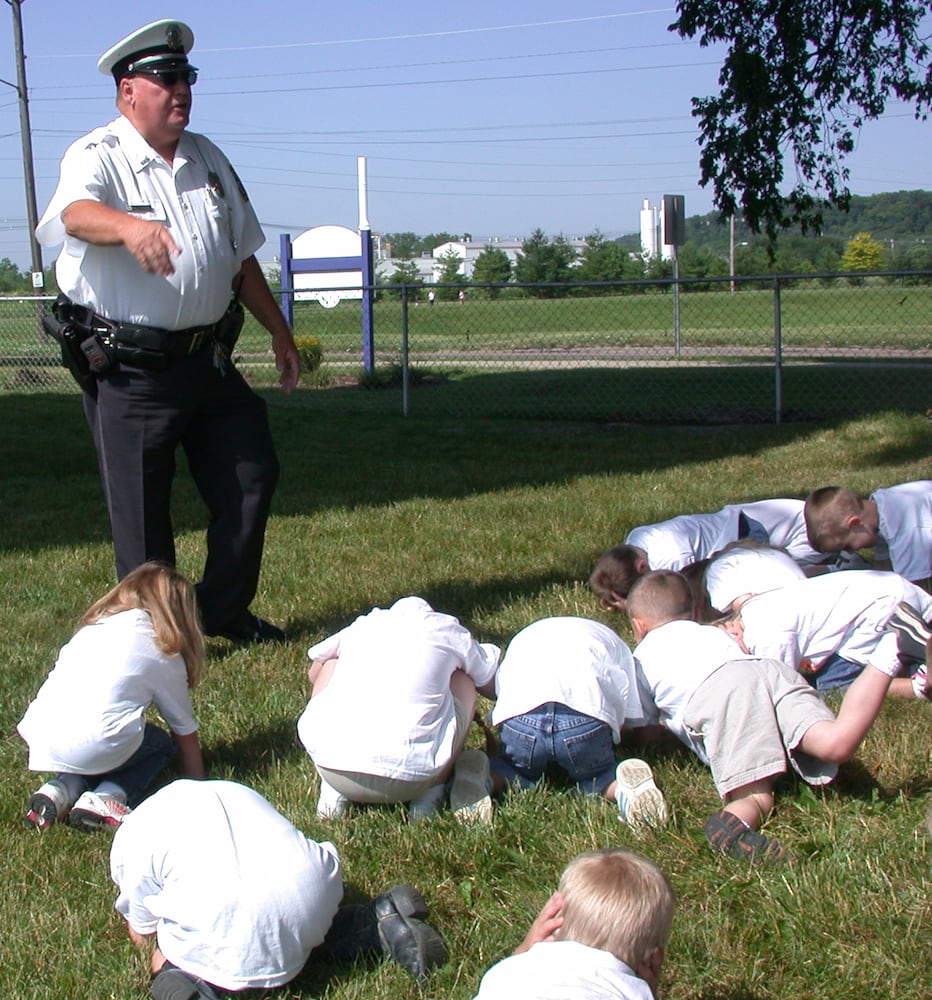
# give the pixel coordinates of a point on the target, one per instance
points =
(310, 352)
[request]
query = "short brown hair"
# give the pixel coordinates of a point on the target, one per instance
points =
(614, 574)
(827, 510)
(617, 901)
(661, 596)
(171, 603)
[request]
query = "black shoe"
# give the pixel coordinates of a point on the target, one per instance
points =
(390, 925)
(405, 938)
(248, 627)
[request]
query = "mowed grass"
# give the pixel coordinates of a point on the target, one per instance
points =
(498, 522)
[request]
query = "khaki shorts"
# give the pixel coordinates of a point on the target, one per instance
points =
(377, 789)
(751, 716)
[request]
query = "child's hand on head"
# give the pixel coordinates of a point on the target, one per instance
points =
(546, 924)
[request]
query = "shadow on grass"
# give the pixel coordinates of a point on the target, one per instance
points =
(258, 752)
(351, 448)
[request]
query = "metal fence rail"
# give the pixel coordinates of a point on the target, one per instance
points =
(767, 348)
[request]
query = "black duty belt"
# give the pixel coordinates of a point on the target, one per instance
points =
(149, 338)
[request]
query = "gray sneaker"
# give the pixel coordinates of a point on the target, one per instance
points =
(640, 802)
(471, 791)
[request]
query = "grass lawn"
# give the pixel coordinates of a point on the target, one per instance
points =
(498, 522)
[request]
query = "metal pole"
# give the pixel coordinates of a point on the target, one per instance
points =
(676, 299)
(405, 381)
(777, 353)
(38, 275)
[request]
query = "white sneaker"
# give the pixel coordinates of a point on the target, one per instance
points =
(49, 805)
(426, 804)
(921, 686)
(471, 791)
(330, 803)
(95, 811)
(640, 801)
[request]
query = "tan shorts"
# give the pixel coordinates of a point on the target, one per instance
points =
(377, 789)
(751, 716)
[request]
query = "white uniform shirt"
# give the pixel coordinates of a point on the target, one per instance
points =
(741, 571)
(198, 197)
(674, 660)
(233, 892)
(89, 715)
(843, 613)
(387, 709)
(688, 538)
(574, 661)
(905, 515)
(562, 970)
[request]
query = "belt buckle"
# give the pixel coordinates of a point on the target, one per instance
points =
(196, 340)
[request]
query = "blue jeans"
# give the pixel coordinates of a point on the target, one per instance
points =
(581, 746)
(835, 672)
(142, 768)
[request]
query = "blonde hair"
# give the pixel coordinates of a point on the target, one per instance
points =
(617, 901)
(661, 596)
(827, 510)
(614, 574)
(171, 603)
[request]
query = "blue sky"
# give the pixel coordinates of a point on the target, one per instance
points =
(492, 118)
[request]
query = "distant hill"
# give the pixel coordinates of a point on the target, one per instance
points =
(896, 219)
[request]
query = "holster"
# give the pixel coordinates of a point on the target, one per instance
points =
(229, 326)
(84, 352)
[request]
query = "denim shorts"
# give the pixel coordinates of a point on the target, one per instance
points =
(579, 745)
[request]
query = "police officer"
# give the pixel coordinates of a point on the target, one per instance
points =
(158, 234)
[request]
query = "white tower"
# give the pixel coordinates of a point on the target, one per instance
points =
(650, 241)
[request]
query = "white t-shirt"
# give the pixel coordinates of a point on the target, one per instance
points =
(574, 661)
(387, 709)
(234, 893)
(562, 970)
(843, 613)
(741, 571)
(689, 538)
(89, 715)
(198, 197)
(674, 660)
(905, 515)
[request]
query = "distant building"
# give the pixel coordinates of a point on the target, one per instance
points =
(651, 228)
(430, 265)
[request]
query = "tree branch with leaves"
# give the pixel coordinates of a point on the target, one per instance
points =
(798, 81)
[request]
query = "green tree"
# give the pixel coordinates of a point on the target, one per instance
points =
(492, 267)
(545, 260)
(604, 260)
(405, 273)
(401, 244)
(798, 80)
(11, 280)
(450, 275)
(863, 253)
(426, 244)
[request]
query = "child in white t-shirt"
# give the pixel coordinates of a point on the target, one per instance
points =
(830, 627)
(564, 689)
(603, 933)
(895, 521)
(691, 538)
(748, 717)
(231, 896)
(394, 694)
(139, 645)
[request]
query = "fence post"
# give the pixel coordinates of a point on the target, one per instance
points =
(777, 353)
(404, 350)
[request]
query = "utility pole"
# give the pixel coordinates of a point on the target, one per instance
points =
(38, 275)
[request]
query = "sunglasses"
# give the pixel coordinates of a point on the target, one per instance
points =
(169, 77)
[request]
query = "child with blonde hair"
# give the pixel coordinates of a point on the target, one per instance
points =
(603, 933)
(139, 645)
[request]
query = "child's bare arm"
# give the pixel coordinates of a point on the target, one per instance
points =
(546, 924)
(189, 755)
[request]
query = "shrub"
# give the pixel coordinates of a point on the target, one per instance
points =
(310, 352)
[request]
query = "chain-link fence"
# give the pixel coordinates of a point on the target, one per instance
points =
(772, 348)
